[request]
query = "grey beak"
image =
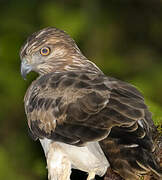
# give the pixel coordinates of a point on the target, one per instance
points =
(25, 68)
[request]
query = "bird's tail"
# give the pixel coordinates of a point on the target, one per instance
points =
(158, 156)
(130, 160)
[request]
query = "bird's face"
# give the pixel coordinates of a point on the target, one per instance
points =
(33, 59)
(47, 50)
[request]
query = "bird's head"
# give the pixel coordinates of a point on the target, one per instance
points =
(48, 50)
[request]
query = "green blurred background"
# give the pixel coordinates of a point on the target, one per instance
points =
(124, 38)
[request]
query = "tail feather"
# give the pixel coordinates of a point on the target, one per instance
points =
(130, 160)
(148, 162)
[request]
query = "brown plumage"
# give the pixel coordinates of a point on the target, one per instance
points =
(74, 103)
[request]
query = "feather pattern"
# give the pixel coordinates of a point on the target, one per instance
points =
(73, 104)
(80, 107)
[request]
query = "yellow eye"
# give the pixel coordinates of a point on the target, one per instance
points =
(45, 51)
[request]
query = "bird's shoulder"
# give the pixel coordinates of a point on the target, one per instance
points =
(75, 83)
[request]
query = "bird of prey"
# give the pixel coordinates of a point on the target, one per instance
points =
(84, 119)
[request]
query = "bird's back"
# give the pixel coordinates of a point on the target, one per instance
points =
(90, 107)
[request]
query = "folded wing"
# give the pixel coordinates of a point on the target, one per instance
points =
(80, 107)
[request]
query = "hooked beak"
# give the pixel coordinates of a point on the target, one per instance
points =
(25, 68)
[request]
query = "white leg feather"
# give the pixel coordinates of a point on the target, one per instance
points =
(60, 157)
(59, 166)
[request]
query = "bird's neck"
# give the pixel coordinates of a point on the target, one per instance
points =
(73, 64)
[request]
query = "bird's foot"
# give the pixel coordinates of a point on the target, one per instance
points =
(91, 176)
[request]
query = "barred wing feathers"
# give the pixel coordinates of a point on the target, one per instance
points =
(79, 107)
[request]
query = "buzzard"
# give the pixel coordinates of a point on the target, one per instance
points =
(84, 119)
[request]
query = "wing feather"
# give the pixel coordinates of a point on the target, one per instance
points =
(81, 106)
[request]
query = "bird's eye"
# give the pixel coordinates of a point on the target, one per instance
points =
(45, 51)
